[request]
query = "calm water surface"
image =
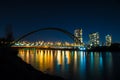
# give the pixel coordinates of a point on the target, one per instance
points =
(74, 65)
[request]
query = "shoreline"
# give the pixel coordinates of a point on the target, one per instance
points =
(15, 68)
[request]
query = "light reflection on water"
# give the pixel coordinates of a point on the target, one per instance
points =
(74, 65)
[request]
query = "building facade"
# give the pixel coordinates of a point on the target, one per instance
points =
(78, 34)
(108, 39)
(94, 39)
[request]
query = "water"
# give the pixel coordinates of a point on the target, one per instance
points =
(74, 65)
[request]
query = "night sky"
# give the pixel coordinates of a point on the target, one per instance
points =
(92, 16)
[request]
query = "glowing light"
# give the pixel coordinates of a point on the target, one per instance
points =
(59, 57)
(68, 57)
(75, 61)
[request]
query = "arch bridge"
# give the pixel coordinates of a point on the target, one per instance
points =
(49, 28)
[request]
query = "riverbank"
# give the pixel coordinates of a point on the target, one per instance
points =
(46, 48)
(104, 49)
(14, 68)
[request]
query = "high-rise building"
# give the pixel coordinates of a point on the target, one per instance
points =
(108, 39)
(94, 39)
(78, 35)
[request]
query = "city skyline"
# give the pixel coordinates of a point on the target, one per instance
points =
(91, 16)
(76, 37)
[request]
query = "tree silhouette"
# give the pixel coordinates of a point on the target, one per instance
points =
(9, 33)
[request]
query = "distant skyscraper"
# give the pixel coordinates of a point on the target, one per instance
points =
(108, 39)
(78, 35)
(94, 39)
